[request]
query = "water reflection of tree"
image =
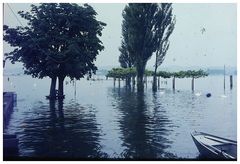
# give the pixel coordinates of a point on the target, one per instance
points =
(161, 128)
(62, 131)
(144, 134)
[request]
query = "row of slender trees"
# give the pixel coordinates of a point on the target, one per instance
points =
(62, 40)
(146, 29)
(129, 74)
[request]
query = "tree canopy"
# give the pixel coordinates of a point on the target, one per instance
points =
(131, 72)
(144, 27)
(126, 59)
(121, 72)
(190, 74)
(165, 28)
(60, 39)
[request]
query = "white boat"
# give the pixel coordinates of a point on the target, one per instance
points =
(214, 147)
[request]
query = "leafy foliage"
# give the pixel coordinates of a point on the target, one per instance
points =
(130, 72)
(148, 72)
(121, 72)
(60, 40)
(164, 74)
(126, 60)
(165, 28)
(165, 23)
(195, 74)
(146, 28)
(141, 22)
(190, 74)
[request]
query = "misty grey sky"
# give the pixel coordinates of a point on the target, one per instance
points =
(188, 46)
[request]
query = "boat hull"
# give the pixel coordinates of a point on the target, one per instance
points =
(208, 146)
(205, 152)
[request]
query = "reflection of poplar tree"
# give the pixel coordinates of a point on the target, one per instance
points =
(144, 134)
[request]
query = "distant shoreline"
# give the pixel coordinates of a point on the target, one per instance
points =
(216, 70)
(101, 74)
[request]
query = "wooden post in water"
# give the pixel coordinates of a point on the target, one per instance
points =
(119, 82)
(133, 81)
(159, 82)
(224, 79)
(75, 89)
(192, 84)
(114, 81)
(128, 81)
(173, 83)
(145, 81)
(231, 81)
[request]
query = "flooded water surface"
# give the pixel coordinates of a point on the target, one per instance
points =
(98, 120)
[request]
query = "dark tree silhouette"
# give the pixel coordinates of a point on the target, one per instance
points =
(166, 23)
(143, 25)
(60, 40)
(125, 59)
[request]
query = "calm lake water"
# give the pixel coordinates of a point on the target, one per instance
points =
(103, 121)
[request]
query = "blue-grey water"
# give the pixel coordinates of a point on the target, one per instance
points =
(103, 121)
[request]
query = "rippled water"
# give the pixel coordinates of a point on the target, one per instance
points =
(103, 121)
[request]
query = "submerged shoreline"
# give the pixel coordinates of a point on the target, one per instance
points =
(110, 123)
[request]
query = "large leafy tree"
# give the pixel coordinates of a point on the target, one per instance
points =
(143, 23)
(166, 23)
(60, 40)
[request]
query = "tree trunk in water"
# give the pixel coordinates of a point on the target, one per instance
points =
(114, 81)
(154, 86)
(133, 81)
(53, 87)
(60, 86)
(140, 85)
(128, 81)
(145, 80)
(231, 81)
(159, 82)
(140, 74)
(192, 84)
(75, 89)
(173, 83)
(118, 82)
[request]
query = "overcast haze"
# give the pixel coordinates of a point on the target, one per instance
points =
(188, 45)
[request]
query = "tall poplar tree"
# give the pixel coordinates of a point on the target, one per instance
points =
(143, 22)
(166, 23)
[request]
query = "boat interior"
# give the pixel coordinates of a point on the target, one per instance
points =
(228, 148)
